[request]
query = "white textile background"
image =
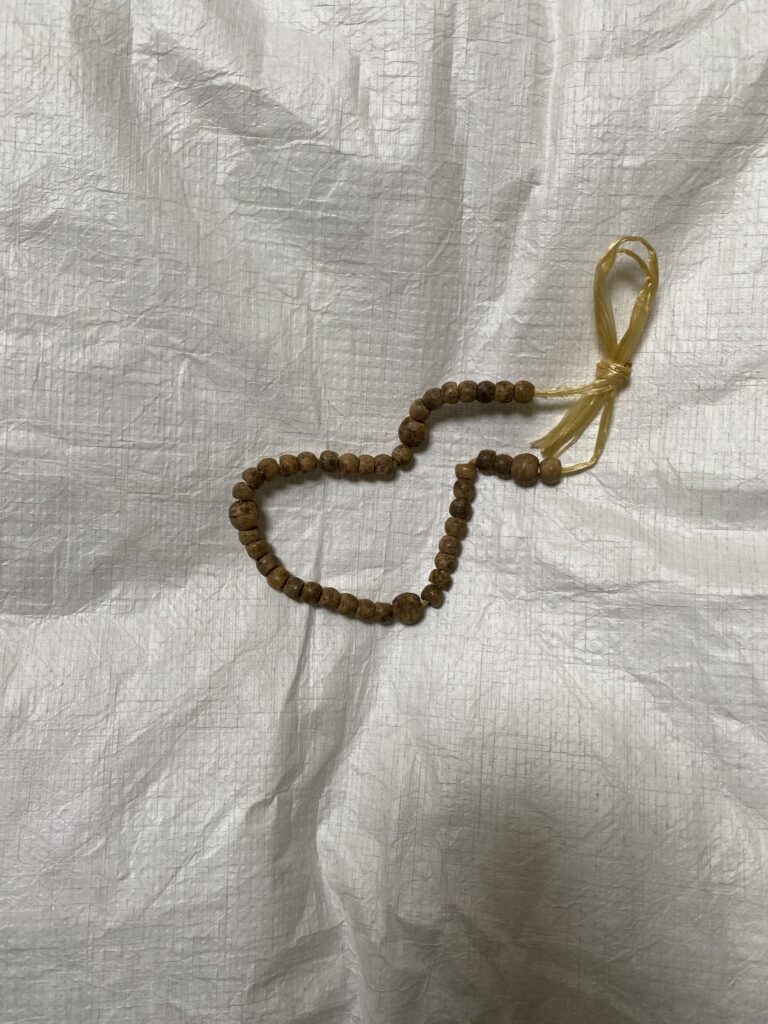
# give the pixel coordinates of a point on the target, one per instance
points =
(235, 228)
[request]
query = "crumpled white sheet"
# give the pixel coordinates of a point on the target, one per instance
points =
(235, 228)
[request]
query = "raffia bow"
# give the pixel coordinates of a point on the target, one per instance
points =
(613, 370)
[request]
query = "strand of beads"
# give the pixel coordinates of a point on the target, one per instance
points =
(407, 608)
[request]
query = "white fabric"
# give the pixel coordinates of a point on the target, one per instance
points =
(237, 228)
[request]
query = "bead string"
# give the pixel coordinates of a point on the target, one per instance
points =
(614, 369)
(525, 469)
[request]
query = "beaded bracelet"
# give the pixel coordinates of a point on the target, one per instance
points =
(595, 398)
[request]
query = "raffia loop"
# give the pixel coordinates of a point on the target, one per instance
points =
(613, 371)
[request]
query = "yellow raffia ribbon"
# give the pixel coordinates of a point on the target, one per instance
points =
(613, 370)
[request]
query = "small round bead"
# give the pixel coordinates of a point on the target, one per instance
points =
(455, 527)
(269, 469)
(486, 391)
(330, 598)
(289, 465)
(464, 489)
(349, 464)
(258, 549)
(524, 391)
(366, 465)
(433, 399)
(448, 563)
(466, 471)
(485, 459)
(418, 411)
(433, 595)
(293, 588)
(384, 612)
(384, 466)
(413, 433)
(253, 477)
(505, 391)
(267, 563)
(441, 579)
(312, 593)
(550, 471)
(460, 508)
(450, 545)
(348, 605)
(329, 461)
(402, 455)
(278, 578)
(467, 391)
(244, 515)
(408, 609)
(307, 462)
(247, 537)
(366, 610)
(502, 466)
(449, 392)
(525, 469)
(243, 492)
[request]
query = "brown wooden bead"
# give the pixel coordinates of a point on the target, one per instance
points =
(384, 466)
(349, 464)
(464, 489)
(366, 610)
(243, 492)
(441, 579)
(433, 595)
(244, 515)
(433, 399)
(448, 563)
(366, 465)
(484, 461)
(524, 391)
(450, 545)
(418, 411)
(550, 471)
(466, 471)
(253, 477)
(293, 588)
(467, 391)
(329, 461)
(486, 391)
(449, 392)
(408, 609)
(502, 466)
(525, 469)
(278, 578)
(311, 593)
(307, 462)
(402, 455)
(460, 508)
(348, 605)
(505, 391)
(413, 433)
(247, 537)
(269, 469)
(267, 563)
(289, 465)
(455, 527)
(258, 549)
(330, 598)
(384, 612)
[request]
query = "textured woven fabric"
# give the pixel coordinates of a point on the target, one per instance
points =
(236, 228)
